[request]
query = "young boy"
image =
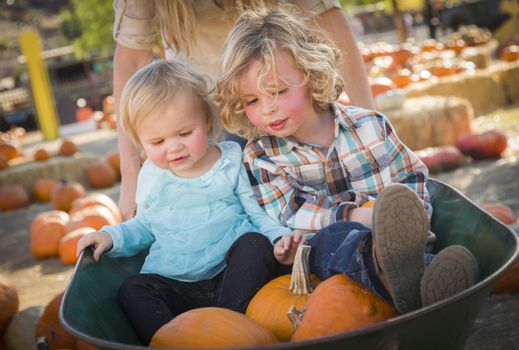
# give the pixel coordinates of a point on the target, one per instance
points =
(315, 164)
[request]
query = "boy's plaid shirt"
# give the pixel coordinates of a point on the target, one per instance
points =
(308, 187)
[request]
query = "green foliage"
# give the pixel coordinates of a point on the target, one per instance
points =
(4, 44)
(88, 25)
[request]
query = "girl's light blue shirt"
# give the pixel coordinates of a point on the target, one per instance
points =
(189, 224)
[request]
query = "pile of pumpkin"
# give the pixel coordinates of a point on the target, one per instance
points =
(55, 233)
(22, 330)
(101, 173)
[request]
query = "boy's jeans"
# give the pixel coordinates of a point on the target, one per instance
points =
(345, 247)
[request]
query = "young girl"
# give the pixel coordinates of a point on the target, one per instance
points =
(196, 210)
(315, 164)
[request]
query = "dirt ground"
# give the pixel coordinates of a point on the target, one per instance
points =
(38, 281)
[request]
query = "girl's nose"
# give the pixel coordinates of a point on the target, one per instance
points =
(174, 146)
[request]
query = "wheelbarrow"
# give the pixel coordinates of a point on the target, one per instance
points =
(90, 311)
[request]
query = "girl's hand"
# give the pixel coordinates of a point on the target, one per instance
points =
(100, 240)
(285, 249)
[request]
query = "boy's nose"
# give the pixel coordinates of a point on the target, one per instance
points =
(174, 146)
(269, 108)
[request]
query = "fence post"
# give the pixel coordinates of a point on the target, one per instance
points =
(43, 97)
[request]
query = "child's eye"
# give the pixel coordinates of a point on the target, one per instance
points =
(282, 91)
(186, 133)
(157, 142)
(251, 101)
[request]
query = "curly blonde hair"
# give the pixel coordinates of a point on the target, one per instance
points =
(152, 88)
(256, 36)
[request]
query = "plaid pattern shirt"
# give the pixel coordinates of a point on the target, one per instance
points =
(308, 187)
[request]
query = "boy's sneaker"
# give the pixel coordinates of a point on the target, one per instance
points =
(453, 270)
(400, 227)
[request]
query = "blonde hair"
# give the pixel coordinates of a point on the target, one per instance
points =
(178, 22)
(256, 36)
(154, 86)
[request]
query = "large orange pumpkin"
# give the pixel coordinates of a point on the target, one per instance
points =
(68, 245)
(97, 199)
(211, 328)
(340, 304)
(100, 174)
(65, 193)
(95, 216)
(4, 162)
(9, 150)
(46, 231)
(42, 189)
(49, 327)
(489, 144)
(13, 197)
(8, 302)
(270, 305)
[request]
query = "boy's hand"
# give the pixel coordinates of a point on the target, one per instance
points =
(285, 249)
(100, 240)
(362, 215)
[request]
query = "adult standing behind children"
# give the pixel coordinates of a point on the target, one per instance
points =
(194, 31)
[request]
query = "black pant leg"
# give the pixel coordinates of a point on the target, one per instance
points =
(250, 265)
(150, 301)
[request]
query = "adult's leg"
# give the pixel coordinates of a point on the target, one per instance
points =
(250, 265)
(150, 301)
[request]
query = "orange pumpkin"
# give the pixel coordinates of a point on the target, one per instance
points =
(49, 327)
(340, 304)
(439, 159)
(211, 328)
(270, 305)
(97, 199)
(95, 216)
(13, 197)
(4, 162)
(8, 302)
(46, 231)
(65, 193)
(83, 345)
(9, 150)
(510, 53)
(41, 154)
(67, 148)
(42, 189)
(114, 159)
(489, 144)
(100, 174)
(68, 245)
(381, 85)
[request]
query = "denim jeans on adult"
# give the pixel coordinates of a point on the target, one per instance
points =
(150, 301)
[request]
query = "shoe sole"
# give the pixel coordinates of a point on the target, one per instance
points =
(400, 227)
(453, 270)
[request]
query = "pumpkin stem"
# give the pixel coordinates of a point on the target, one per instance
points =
(300, 282)
(295, 317)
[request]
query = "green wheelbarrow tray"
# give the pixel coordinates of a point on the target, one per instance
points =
(90, 311)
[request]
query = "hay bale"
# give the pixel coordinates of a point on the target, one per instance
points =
(481, 89)
(481, 58)
(57, 168)
(507, 74)
(431, 121)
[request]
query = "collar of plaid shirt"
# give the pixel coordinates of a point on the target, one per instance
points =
(274, 146)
